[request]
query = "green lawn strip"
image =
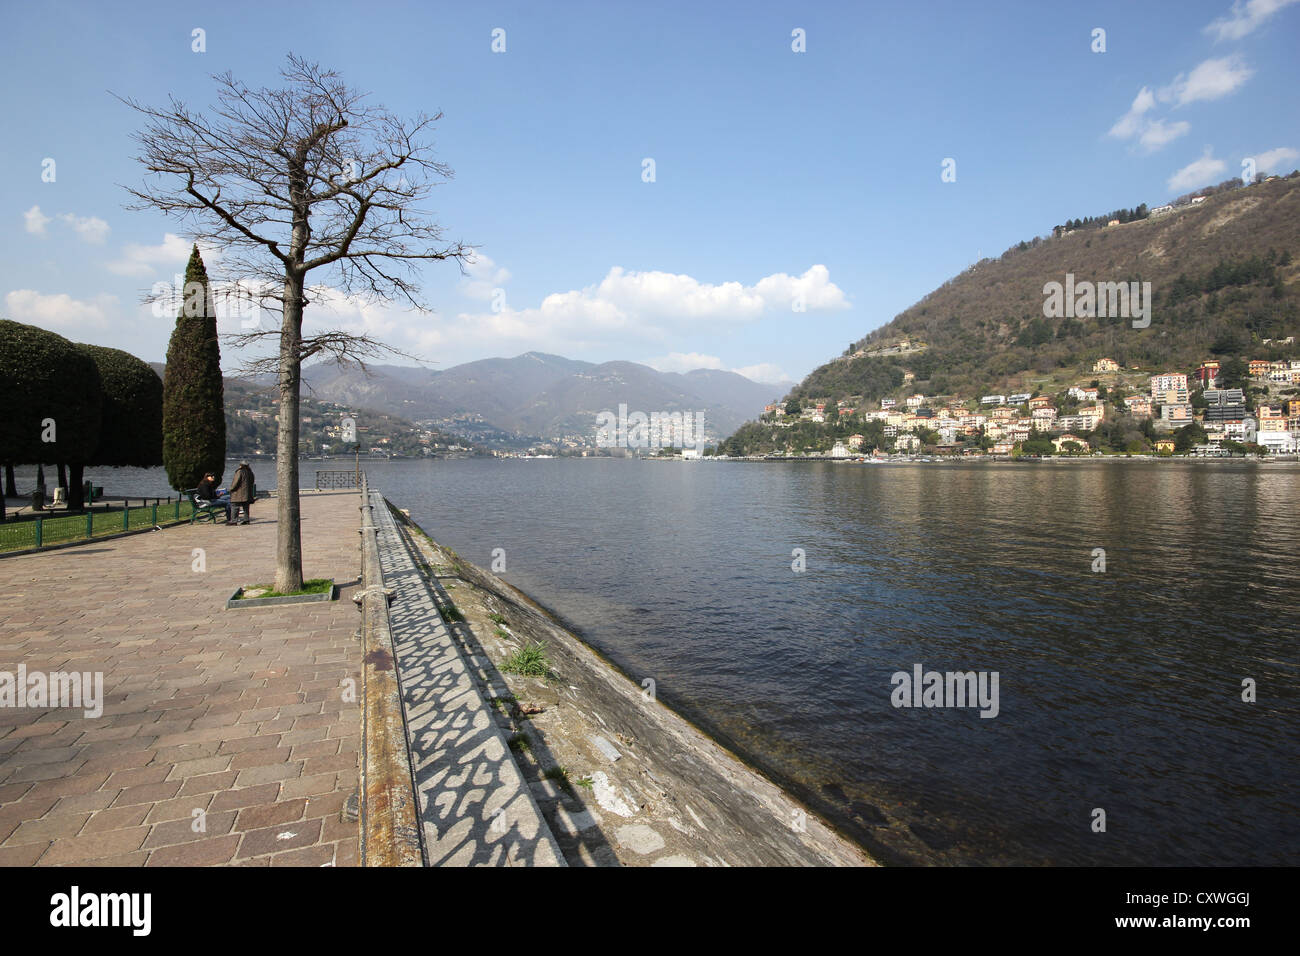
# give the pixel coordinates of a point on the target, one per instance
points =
(21, 535)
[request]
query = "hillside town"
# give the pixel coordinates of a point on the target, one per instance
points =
(252, 416)
(1120, 411)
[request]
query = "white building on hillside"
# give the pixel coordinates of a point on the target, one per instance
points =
(1277, 442)
(1240, 431)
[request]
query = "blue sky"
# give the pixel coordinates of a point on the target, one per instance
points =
(779, 176)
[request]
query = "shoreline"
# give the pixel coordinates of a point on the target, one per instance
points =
(671, 783)
(1002, 460)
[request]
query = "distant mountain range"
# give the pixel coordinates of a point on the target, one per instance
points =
(536, 396)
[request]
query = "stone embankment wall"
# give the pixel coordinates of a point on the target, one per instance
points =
(654, 789)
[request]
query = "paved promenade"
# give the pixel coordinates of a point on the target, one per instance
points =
(248, 716)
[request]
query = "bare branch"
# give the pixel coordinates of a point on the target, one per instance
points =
(285, 182)
(314, 152)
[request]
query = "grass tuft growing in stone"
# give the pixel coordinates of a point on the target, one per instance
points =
(530, 661)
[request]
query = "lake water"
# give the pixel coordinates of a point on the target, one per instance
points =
(1118, 690)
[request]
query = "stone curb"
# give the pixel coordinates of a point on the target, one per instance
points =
(390, 831)
(235, 601)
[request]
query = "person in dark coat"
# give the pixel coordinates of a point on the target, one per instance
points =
(242, 493)
(207, 488)
(208, 491)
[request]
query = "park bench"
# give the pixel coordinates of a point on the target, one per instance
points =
(203, 509)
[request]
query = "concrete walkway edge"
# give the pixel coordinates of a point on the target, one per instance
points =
(390, 835)
(475, 806)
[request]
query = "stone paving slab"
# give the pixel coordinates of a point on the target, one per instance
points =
(476, 809)
(249, 716)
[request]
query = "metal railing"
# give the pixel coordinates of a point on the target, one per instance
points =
(338, 479)
(30, 533)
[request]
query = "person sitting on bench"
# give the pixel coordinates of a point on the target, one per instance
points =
(208, 487)
(207, 491)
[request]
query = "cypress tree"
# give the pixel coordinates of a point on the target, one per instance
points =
(194, 414)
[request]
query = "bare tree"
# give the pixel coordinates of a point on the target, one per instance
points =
(288, 182)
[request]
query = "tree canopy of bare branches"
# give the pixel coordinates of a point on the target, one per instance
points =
(306, 180)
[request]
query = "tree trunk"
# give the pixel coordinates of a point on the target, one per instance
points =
(288, 554)
(288, 545)
(10, 489)
(63, 477)
(76, 485)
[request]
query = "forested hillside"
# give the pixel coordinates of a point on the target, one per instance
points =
(1224, 274)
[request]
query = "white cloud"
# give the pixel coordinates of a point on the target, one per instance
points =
(172, 253)
(1210, 80)
(683, 362)
(387, 322)
(813, 289)
(1245, 18)
(1276, 160)
(1159, 133)
(88, 228)
(1202, 172)
(765, 373)
(650, 306)
(611, 316)
(59, 312)
(34, 221)
(1132, 123)
(665, 295)
(485, 276)
(1152, 134)
(674, 297)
